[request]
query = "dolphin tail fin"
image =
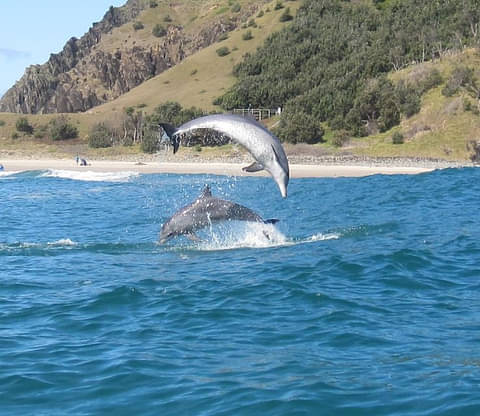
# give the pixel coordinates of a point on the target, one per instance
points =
(171, 131)
(271, 221)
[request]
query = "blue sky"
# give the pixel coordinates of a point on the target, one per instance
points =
(30, 30)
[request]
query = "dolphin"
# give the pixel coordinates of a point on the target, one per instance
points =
(206, 210)
(265, 148)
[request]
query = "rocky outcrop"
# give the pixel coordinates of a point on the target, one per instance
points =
(84, 75)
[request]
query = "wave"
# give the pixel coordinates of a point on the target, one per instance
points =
(4, 174)
(90, 176)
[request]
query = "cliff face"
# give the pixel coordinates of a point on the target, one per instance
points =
(85, 74)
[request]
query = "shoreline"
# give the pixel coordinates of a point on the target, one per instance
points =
(297, 170)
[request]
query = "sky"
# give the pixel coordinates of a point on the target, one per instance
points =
(30, 30)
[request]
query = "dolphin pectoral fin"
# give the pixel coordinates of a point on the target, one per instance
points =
(254, 167)
(193, 237)
(266, 235)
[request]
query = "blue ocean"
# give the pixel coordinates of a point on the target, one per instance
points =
(365, 300)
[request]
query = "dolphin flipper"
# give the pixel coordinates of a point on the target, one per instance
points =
(254, 167)
(271, 221)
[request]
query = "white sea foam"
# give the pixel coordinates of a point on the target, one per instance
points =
(322, 237)
(62, 242)
(91, 176)
(4, 174)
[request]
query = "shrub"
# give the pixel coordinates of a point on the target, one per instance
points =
(223, 36)
(278, 6)
(24, 126)
(41, 131)
(236, 8)
(433, 79)
(15, 135)
(286, 16)
(297, 126)
(340, 137)
(2, 123)
(461, 77)
(223, 51)
(260, 13)
(397, 138)
(100, 136)
(159, 31)
(61, 129)
(150, 142)
(167, 18)
(138, 26)
(153, 4)
(247, 35)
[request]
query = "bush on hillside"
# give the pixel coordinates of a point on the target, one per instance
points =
(24, 126)
(397, 138)
(151, 139)
(286, 15)
(61, 129)
(297, 126)
(159, 31)
(223, 51)
(100, 136)
(138, 26)
(247, 35)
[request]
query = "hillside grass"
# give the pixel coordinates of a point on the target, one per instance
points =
(201, 77)
(442, 128)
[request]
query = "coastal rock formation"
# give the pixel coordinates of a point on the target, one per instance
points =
(85, 74)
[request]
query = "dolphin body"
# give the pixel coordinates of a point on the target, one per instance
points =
(206, 210)
(265, 148)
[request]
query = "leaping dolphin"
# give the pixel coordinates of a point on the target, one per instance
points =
(206, 210)
(260, 142)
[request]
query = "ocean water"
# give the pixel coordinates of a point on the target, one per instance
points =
(365, 301)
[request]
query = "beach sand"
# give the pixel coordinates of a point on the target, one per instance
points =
(231, 169)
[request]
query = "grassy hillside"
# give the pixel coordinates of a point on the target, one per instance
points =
(203, 76)
(442, 128)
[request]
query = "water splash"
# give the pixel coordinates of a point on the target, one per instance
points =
(238, 235)
(90, 176)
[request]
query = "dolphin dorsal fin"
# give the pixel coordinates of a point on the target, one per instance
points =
(206, 193)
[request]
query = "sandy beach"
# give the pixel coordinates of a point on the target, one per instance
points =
(231, 169)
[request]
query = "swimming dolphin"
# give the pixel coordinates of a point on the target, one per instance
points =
(261, 143)
(206, 210)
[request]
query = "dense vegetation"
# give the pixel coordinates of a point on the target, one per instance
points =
(330, 66)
